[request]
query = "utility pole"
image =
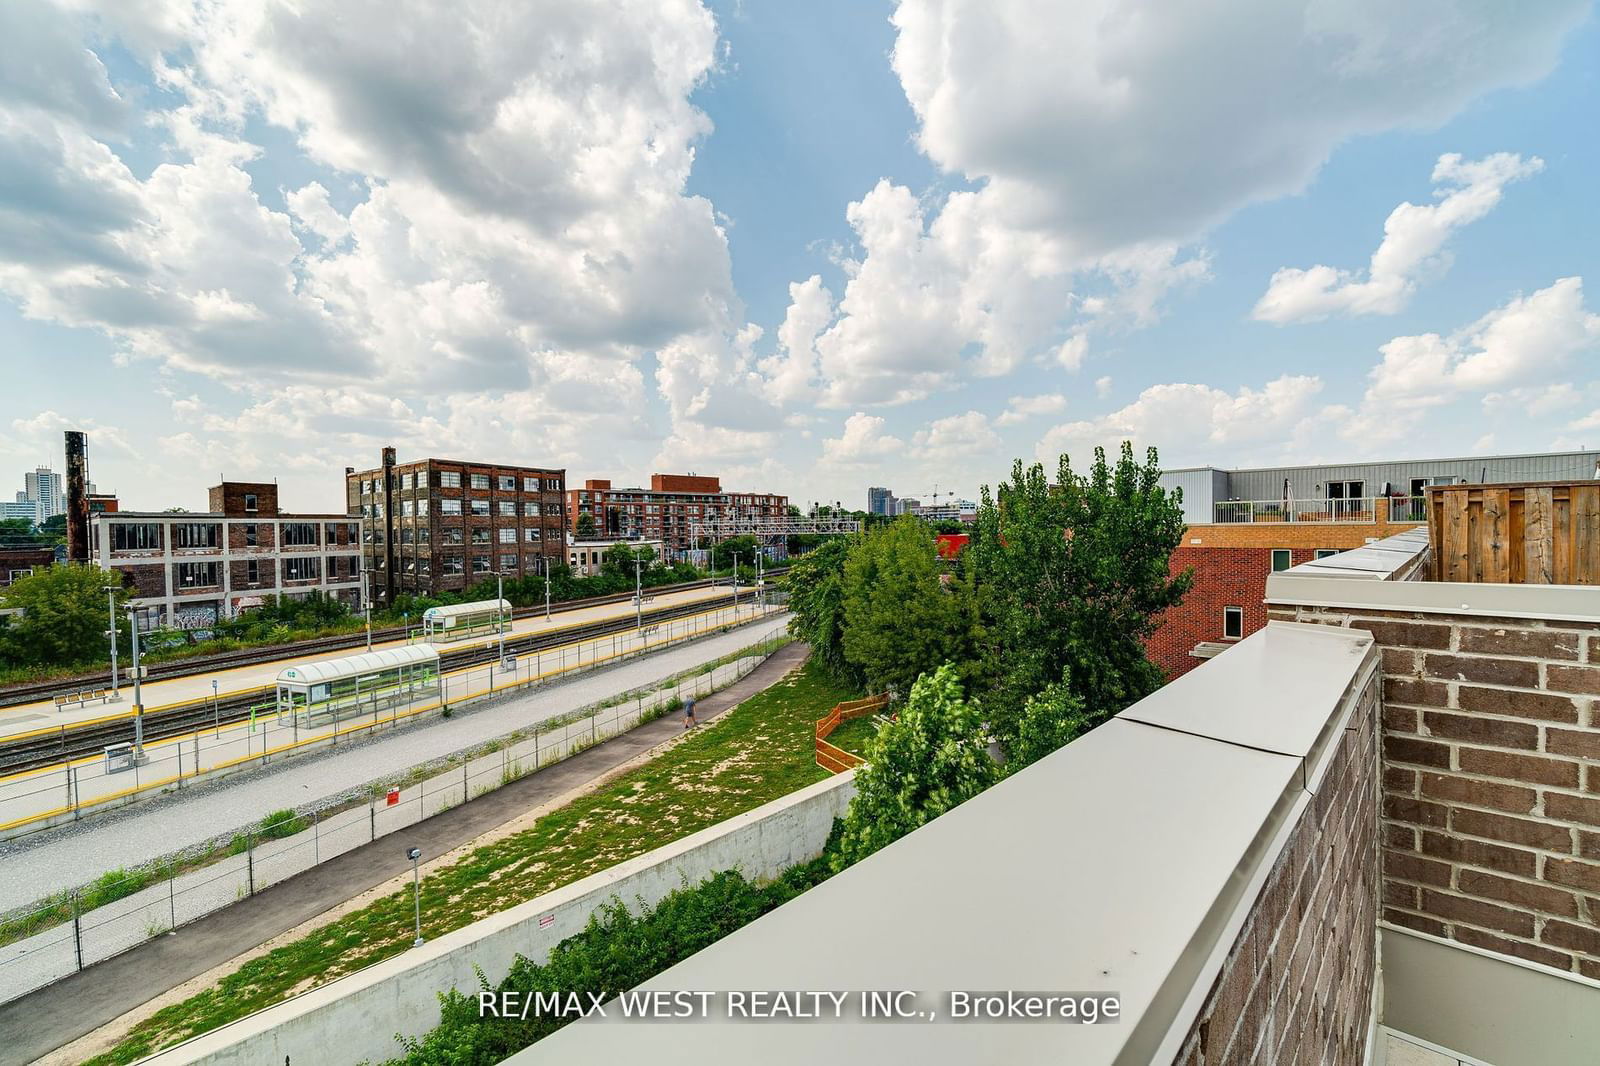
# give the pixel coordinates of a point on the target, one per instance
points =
(761, 584)
(546, 588)
(735, 583)
(111, 611)
(638, 592)
(138, 698)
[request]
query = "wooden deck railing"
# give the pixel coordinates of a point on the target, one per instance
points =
(835, 759)
(1545, 533)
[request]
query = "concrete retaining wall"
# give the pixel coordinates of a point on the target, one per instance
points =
(357, 1017)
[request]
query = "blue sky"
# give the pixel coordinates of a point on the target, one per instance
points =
(810, 248)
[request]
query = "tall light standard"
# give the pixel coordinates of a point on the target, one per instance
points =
(414, 854)
(499, 612)
(546, 559)
(366, 604)
(761, 584)
(138, 698)
(638, 593)
(111, 612)
(735, 583)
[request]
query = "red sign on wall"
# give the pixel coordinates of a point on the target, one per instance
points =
(393, 797)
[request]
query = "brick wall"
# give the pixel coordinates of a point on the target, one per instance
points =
(1491, 777)
(1223, 577)
(1297, 985)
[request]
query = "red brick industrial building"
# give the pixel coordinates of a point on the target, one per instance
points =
(668, 509)
(441, 525)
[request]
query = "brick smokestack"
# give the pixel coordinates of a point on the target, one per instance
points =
(77, 498)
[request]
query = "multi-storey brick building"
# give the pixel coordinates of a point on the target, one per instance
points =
(196, 568)
(1247, 524)
(439, 525)
(668, 510)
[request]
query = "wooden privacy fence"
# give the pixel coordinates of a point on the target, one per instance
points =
(1546, 533)
(835, 759)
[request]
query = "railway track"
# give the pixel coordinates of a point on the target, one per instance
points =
(44, 750)
(251, 656)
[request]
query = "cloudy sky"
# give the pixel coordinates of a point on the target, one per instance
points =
(810, 247)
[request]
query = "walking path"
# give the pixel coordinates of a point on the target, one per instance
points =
(51, 1017)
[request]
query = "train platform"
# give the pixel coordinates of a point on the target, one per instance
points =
(43, 715)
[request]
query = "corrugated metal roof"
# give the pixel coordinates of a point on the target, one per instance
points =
(355, 665)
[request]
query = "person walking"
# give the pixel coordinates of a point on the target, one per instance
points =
(688, 713)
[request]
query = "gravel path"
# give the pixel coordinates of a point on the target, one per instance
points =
(42, 863)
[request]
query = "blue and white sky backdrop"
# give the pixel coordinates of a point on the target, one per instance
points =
(809, 247)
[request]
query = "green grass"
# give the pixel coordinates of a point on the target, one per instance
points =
(853, 735)
(755, 753)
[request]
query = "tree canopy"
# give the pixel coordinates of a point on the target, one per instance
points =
(929, 761)
(1073, 578)
(903, 614)
(64, 617)
(815, 583)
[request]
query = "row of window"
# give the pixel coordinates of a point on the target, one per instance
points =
(451, 479)
(474, 506)
(295, 568)
(146, 536)
(1283, 558)
(456, 535)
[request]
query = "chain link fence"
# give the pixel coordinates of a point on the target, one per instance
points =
(44, 943)
(72, 788)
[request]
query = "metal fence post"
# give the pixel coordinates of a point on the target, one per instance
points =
(316, 837)
(372, 814)
(77, 796)
(66, 771)
(463, 781)
(250, 860)
(172, 903)
(77, 928)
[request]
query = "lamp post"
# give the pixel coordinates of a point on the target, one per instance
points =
(138, 698)
(735, 583)
(216, 711)
(546, 587)
(638, 594)
(111, 611)
(366, 604)
(499, 613)
(414, 855)
(761, 585)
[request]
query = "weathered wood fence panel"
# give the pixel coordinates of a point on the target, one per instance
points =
(1538, 534)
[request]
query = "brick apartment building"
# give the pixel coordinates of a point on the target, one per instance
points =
(668, 509)
(196, 568)
(1247, 524)
(440, 525)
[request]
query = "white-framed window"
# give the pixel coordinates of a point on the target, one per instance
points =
(250, 502)
(453, 564)
(451, 536)
(131, 536)
(530, 484)
(1323, 553)
(1282, 559)
(530, 508)
(424, 567)
(531, 535)
(480, 536)
(1232, 623)
(449, 479)
(408, 481)
(508, 535)
(480, 564)
(506, 482)
(480, 507)
(480, 481)
(508, 562)
(449, 507)
(408, 508)
(506, 507)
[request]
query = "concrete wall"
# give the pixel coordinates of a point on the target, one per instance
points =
(356, 1018)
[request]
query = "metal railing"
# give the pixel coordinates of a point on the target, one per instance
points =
(1355, 510)
(47, 941)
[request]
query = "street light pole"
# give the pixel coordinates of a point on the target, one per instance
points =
(761, 585)
(111, 611)
(638, 593)
(547, 588)
(138, 698)
(499, 612)
(366, 604)
(735, 583)
(416, 892)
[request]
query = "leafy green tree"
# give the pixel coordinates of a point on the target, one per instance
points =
(585, 524)
(53, 530)
(19, 533)
(903, 614)
(1049, 719)
(1073, 577)
(815, 583)
(63, 617)
(744, 546)
(932, 759)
